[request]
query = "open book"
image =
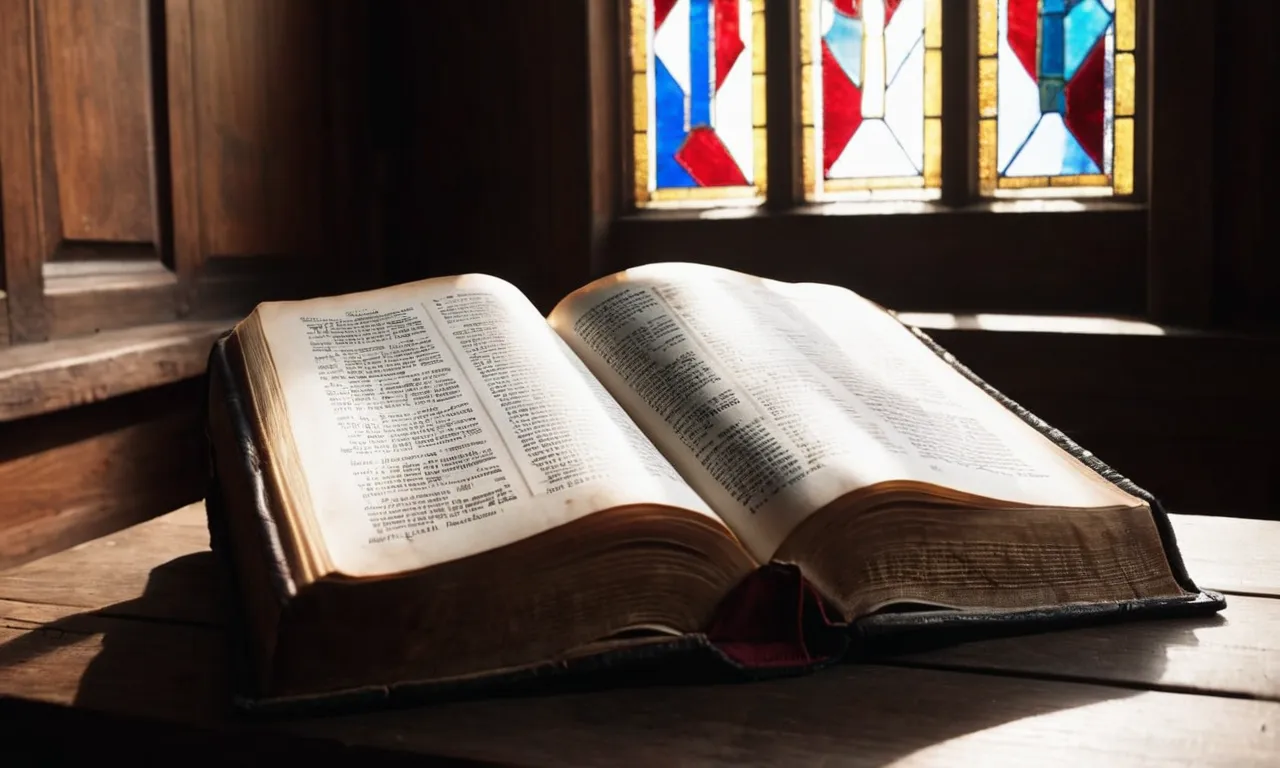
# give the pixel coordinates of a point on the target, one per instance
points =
(432, 481)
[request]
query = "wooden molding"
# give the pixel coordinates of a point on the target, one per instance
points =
(39, 378)
(23, 252)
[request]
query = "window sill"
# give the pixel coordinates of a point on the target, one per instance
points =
(853, 208)
(930, 322)
(51, 376)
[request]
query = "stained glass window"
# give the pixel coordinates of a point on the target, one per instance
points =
(1056, 96)
(871, 96)
(698, 86)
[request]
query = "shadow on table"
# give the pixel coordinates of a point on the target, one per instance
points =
(153, 667)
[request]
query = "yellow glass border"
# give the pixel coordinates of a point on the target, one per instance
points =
(818, 188)
(1122, 157)
(1078, 180)
(875, 182)
(641, 130)
(672, 194)
(987, 156)
(1126, 25)
(1125, 81)
(1120, 183)
(639, 20)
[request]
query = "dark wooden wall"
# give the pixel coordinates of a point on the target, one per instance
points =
(488, 117)
(1247, 165)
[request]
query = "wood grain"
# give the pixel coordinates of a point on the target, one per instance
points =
(184, 166)
(98, 84)
(39, 378)
(160, 569)
(865, 715)
(1190, 417)
(535, 89)
(100, 294)
(19, 181)
(603, 23)
(258, 125)
(1231, 554)
(1236, 653)
(74, 475)
(1181, 192)
(171, 672)
(1094, 262)
(868, 713)
(1245, 161)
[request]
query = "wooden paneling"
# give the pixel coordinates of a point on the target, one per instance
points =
(492, 154)
(1191, 418)
(269, 157)
(77, 474)
(24, 251)
(164, 133)
(782, 103)
(1246, 165)
(97, 77)
(39, 378)
(918, 256)
(86, 170)
(247, 90)
(604, 73)
(1180, 277)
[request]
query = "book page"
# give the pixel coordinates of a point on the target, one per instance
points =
(443, 418)
(773, 399)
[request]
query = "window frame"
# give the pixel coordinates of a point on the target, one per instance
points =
(1148, 255)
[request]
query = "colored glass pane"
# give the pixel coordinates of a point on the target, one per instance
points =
(1056, 96)
(698, 101)
(872, 97)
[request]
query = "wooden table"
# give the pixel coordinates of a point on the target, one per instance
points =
(118, 645)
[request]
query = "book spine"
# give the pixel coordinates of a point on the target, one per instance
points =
(246, 540)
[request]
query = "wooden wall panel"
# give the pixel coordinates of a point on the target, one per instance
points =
(97, 82)
(74, 475)
(1246, 166)
(258, 85)
(23, 249)
(1190, 418)
(493, 162)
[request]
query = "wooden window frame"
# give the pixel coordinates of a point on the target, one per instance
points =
(1146, 256)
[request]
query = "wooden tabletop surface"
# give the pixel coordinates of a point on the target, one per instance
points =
(118, 644)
